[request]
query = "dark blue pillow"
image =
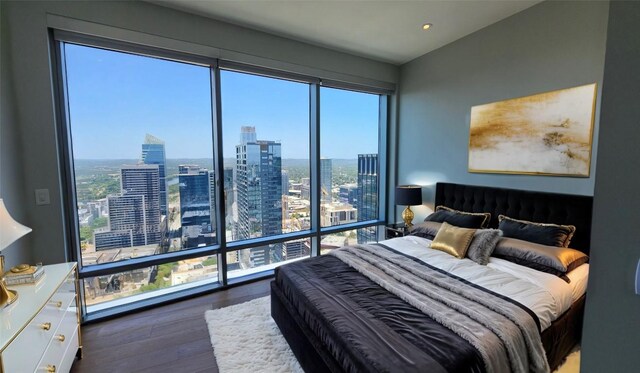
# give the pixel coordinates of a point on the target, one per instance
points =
(460, 218)
(540, 233)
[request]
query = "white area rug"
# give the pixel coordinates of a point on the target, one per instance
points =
(246, 339)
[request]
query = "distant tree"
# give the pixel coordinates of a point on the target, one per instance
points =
(210, 261)
(100, 222)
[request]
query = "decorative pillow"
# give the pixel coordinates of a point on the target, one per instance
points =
(427, 229)
(460, 218)
(453, 240)
(550, 259)
(483, 243)
(542, 233)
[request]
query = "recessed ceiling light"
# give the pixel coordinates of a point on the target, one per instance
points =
(426, 26)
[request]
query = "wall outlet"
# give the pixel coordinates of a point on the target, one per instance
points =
(42, 197)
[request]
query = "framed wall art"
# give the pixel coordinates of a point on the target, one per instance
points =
(544, 134)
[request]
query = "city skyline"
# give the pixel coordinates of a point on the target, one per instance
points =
(136, 227)
(146, 122)
(137, 95)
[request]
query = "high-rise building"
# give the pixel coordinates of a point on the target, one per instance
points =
(134, 214)
(285, 182)
(229, 199)
(143, 180)
(197, 205)
(195, 196)
(112, 239)
(153, 153)
(349, 193)
(248, 134)
(228, 189)
(326, 180)
(259, 188)
(127, 223)
(305, 188)
(212, 199)
(296, 249)
(367, 202)
(338, 214)
(259, 192)
(285, 196)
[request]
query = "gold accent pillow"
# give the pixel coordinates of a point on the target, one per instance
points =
(453, 240)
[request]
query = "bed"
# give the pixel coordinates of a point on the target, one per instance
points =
(350, 317)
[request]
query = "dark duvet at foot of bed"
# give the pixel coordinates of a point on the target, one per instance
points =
(339, 320)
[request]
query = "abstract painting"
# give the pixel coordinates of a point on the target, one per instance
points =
(546, 134)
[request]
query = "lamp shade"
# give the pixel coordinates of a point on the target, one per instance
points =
(408, 195)
(10, 230)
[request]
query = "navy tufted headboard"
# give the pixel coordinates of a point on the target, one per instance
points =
(521, 204)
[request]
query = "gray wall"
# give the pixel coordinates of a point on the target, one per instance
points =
(33, 119)
(611, 339)
(549, 46)
(11, 175)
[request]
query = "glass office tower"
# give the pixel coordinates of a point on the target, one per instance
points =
(326, 180)
(153, 153)
(367, 200)
(259, 193)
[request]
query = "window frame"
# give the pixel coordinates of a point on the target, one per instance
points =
(67, 171)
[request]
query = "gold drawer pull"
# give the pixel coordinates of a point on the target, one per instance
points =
(57, 303)
(50, 368)
(60, 337)
(45, 326)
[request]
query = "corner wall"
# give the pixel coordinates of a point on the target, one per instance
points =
(549, 46)
(611, 337)
(11, 167)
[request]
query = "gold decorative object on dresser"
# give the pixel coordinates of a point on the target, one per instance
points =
(40, 331)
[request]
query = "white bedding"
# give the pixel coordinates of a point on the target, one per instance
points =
(578, 278)
(548, 296)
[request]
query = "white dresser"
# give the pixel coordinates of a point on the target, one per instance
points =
(40, 332)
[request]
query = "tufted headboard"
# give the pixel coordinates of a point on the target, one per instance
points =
(521, 204)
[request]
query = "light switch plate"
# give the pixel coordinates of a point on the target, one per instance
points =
(42, 197)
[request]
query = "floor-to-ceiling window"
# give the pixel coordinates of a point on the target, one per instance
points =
(185, 173)
(265, 126)
(349, 145)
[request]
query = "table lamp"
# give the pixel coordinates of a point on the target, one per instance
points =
(408, 195)
(10, 231)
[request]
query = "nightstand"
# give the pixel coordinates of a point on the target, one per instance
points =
(395, 230)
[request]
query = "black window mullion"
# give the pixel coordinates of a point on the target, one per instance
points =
(314, 138)
(219, 173)
(383, 183)
(347, 227)
(145, 261)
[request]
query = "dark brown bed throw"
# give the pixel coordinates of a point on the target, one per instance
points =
(377, 310)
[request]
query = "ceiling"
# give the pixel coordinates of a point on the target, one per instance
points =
(384, 30)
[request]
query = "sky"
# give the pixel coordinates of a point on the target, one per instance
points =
(116, 98)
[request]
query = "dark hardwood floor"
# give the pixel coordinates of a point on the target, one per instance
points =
(171, 338)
